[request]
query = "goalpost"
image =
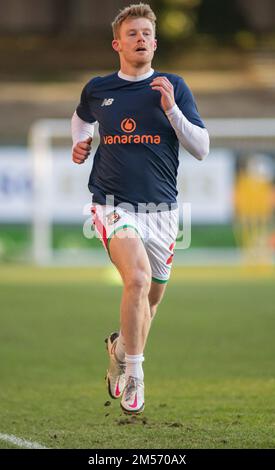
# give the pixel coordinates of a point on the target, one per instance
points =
(251, 136)
(41, 135)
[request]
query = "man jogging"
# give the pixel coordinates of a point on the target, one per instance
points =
(143, 115)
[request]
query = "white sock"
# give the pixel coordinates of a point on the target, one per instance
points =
(120, 348)
(134, 366)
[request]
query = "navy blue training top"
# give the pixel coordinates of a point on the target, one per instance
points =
(137, 158)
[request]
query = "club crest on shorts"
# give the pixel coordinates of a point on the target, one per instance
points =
(112, 218)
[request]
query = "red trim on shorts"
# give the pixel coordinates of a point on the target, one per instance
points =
(171, 248)
(100, 228)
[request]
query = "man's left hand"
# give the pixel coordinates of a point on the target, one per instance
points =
(166, 90)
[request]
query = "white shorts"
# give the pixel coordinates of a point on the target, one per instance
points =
(158, 231)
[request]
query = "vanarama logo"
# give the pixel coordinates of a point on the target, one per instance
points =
(128, 125)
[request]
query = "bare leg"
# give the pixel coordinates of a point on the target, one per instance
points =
(155, 296)
(129, 256)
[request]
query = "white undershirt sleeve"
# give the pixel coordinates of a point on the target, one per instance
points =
(193, 138)
(81, 130)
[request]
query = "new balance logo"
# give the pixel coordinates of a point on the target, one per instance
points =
(107, 101)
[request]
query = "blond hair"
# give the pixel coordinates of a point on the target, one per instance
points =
(140, 10)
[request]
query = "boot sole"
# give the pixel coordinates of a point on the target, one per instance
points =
(132, 412)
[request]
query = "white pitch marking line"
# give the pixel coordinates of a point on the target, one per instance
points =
(20, 442)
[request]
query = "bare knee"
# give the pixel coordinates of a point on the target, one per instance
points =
(139, 282)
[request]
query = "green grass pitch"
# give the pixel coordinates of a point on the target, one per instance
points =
(209, 362)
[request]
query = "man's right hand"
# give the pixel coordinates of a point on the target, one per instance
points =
(81, 151)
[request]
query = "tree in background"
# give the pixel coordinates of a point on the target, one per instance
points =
(221, 19)
(177, 25)
(224, 21)
(177, 18)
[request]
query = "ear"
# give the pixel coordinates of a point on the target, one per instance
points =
(116, 45)
(155, 44)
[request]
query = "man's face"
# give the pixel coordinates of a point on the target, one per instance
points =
(136, 43)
